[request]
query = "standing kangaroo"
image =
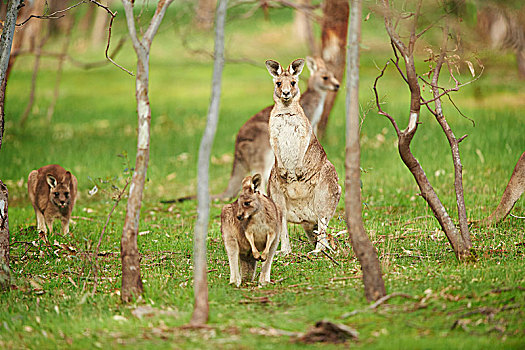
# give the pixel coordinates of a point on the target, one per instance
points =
(250, 228)
(53, 192)
(253, 153)
(303, 182)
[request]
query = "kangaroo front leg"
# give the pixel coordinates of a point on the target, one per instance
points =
(285, 239)
(40, 222)
(49, 223)
(65, 227)
(251, 240)
(233, 259)
(269, 240)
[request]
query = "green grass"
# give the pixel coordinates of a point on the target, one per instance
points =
(50, 305)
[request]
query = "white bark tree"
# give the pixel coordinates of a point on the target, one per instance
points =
(6, 41)
(131, 279)
(200, 279)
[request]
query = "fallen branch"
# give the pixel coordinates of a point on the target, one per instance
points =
(378, 303)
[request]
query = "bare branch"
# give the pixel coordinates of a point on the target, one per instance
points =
(391, 32)
(108, 57)
(380, 110)
(162, 6)
(54, 15)
(462, 138)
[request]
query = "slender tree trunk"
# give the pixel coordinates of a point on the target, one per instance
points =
(333, 40)
(454, 146)
(5, 279)
(6, 40)
(303, 27)
(36, 68)
(201, 307)
(203, 19)
(363, 248)
(460, 247)
(61, 60)
(131, 279)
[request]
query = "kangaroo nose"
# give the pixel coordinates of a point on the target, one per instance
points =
(286, 93)
(337, 86)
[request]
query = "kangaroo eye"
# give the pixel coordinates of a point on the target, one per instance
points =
(293, 83)
(246, 204)
(278, 84)
(56, 194)
(66, 194)
(325, 78)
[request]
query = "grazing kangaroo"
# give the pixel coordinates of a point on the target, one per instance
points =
(53, 192)
(303, 182)
(250, 228)
(253, 153)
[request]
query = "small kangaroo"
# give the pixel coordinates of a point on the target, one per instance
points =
(53, 192)
(303, 182)
(250, 228)
(253, 153)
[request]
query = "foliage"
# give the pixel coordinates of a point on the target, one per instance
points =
(477, 305)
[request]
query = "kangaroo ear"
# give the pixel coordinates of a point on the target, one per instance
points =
(274, 68)
(311, 64)
(51, 181)
(296, 67)
(256, 181)
(67, 178)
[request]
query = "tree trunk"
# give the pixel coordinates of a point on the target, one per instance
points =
(201, 307)
(460, 247)
(454, 145)
(5, 279)
(6, 41)
(333, 41)
(203, 19)
(131, 279)
(363, 248)
(303, 27)
(427, 192)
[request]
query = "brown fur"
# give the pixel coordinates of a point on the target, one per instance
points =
(303, 181)
(253, 153)
(53, 192)
(512, 193)
(250, 228)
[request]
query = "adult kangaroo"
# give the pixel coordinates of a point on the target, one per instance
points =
(303, 182)
(253, 153)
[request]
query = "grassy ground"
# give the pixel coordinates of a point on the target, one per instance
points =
(479, 305)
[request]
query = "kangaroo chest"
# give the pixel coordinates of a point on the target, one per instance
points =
(289, 138)
(260, 231)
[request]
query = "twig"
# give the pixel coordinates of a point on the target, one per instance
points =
(97, 249)
(380, 110)
(54, 15)
(378, 303)
(517, 217)
(328, 255)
